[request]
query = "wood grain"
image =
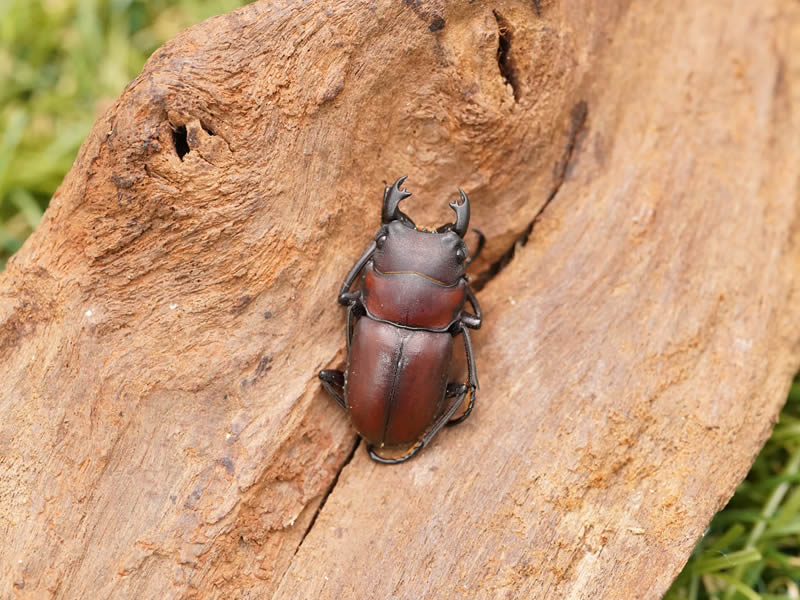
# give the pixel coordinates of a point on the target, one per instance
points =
(162, 431)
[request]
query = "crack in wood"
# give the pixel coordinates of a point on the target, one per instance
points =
(325, 496)
(578, 116)
(505, 62)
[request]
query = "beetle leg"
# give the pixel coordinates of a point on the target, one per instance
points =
(333, 382)
(393, 461)
(456, 389)
(333, 379)
(470, 320)
(471, 391)
(354, 311)
(481, 242)
(460, 390)
(345, 296)
(472, 379)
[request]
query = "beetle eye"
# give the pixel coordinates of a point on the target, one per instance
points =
(461, 255)
(380, 241)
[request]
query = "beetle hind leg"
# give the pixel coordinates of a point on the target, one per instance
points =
(461, 390)
(333, 382)
(397, 460)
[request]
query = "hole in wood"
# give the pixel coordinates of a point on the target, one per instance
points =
(436, 25)
(180, 141)
(505, 61)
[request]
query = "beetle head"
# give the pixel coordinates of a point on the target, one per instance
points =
(439, 254)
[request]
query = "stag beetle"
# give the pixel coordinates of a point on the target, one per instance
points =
(401, 323)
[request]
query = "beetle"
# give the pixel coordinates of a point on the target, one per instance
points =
(400, 328)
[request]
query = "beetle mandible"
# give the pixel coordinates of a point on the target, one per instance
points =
(401, 325)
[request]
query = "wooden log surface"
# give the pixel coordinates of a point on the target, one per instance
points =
(162, 430)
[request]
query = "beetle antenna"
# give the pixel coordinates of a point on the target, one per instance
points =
(392, 197)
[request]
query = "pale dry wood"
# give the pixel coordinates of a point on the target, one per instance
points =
(163, 434)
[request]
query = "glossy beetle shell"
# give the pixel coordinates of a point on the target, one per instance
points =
(426, 253)
(411, 300)
(401, 323)
(396, 380)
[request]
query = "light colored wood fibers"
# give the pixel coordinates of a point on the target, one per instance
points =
(162, 430)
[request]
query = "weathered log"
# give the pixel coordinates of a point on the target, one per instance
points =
(162, 429)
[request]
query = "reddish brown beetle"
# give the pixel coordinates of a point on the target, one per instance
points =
(401, 323)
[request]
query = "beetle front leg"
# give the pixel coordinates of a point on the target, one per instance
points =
(347, 297)
(470, 320)
(481, 242)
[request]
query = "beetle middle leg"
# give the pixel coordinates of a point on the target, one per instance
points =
(333, 379)
(333, 382)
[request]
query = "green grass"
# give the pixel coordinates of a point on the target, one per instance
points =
(752, 547)
(61, 64)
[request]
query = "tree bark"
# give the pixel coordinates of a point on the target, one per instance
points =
(163, 432)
